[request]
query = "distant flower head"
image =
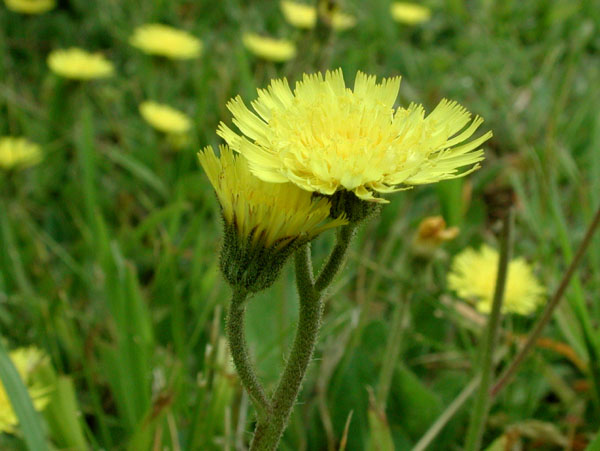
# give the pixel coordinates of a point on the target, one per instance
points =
(30, 6)
(473, 277)
(78, 64)
(18, 153)
(264, 222)
(165, 118)
(162, 40)
(432, 233)
(302, 15)
(271, 49)
(325, 137)
(410, 13)
(26, 361)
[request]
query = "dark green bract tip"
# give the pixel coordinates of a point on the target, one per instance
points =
(356, 210)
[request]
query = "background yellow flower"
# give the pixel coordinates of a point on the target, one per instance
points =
(162, 40)
(302, 15)
(30, 6)
(325, 137)
(26, 361)
(410, 13)
(18, 152)
(473, 277)
(271, 49)
(78, 64)
(165, 118)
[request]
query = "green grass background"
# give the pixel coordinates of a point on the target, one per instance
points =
(108, 248)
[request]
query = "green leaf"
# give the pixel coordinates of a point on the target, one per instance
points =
(29, 420)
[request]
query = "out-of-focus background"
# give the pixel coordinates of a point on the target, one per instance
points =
(109, 243)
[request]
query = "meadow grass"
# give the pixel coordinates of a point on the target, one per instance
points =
(108, 247)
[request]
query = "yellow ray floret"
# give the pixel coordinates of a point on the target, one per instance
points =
(409, 13)
(30, 6)
(473, 277)
(26, 361)
(162, 40)
(18, 153)
(78, 64)
(324, 137)
(271, 49)
(271, 215)
(165, 118)
(302, 15)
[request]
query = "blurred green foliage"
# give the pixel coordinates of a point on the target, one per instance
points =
(108, 247)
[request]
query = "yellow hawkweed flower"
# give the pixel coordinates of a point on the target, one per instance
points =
(30, 6)
(165, 118)
(162, 40)
(26, 361)
(473, 277)
(325, 137)
(301, 15)
(409, 13)
(264, 222)
(78, 64)
(18, 153)
(271, 49)
(431, 234)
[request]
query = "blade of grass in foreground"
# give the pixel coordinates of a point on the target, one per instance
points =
(29, 420)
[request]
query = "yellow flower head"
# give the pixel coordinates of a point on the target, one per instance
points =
(164, 118)
(78, 64)
(325, 137)
(30, 6)
(264, 223)
(473, 277)
(410, 13)
(18, 153)
(270, 215)
(162, 40)
(271, 49)
(301, 15)
(26, 361)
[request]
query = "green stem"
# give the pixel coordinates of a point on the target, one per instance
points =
(548, 311)
(270, 429)
(486, 369)
(392, 351)
(240, 354)
(331, 268)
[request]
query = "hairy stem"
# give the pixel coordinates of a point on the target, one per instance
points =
(270, 428)
(336, 259)
(486, 365)
(240, 354)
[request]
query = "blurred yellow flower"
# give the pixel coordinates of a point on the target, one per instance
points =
(165, 118)
(78, 64)
(163, 40)
(410, 13)
(301, 15)
(325, 137)
(277, 50)
(30, 6)
(431, 234)
(18, 153)
(26, 361)
(267, 214)
(473, 277)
